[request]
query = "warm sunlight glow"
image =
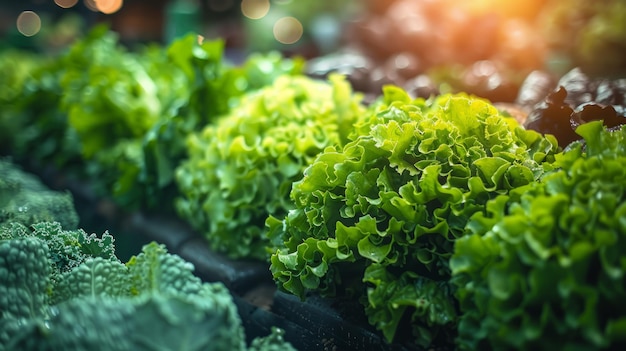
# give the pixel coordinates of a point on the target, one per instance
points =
(288, 30)
(66, 4)
(510, 9)
(28, 23)
(255, 9)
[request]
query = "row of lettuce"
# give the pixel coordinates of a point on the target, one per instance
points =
(450, 223)
(119, 116)
(64, 289)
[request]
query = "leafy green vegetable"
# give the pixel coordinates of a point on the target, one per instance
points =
(111, 102)
(241, 169)
(120, 117)
(153, 302)
(68, 249)
(104, 80)
(32, 128)
(543, 268)
(212, 87)
(23, 292)
(389, 205)
(15, 69)
(24, 199)
(66, 289)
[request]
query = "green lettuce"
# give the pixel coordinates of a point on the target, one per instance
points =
(120, 117)
(543, 267)
(378, 217)
(241, 169)
(211, 87)
(32, 127)
(108, 95)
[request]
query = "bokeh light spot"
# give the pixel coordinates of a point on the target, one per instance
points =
(109, 6)
(255, 9)
(66, 4)
(28, 23)
(91, 4)
(288, 30)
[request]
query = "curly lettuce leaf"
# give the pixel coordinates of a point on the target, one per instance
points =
(398, 195)
(240, 170)
(542, 268)
(390, 296)
(120, 117)
(212, 87)
(115, 100)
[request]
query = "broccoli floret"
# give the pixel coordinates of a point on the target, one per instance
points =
(24, 199)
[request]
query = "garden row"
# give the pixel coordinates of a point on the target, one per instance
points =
(63, 288)
(405, 223)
